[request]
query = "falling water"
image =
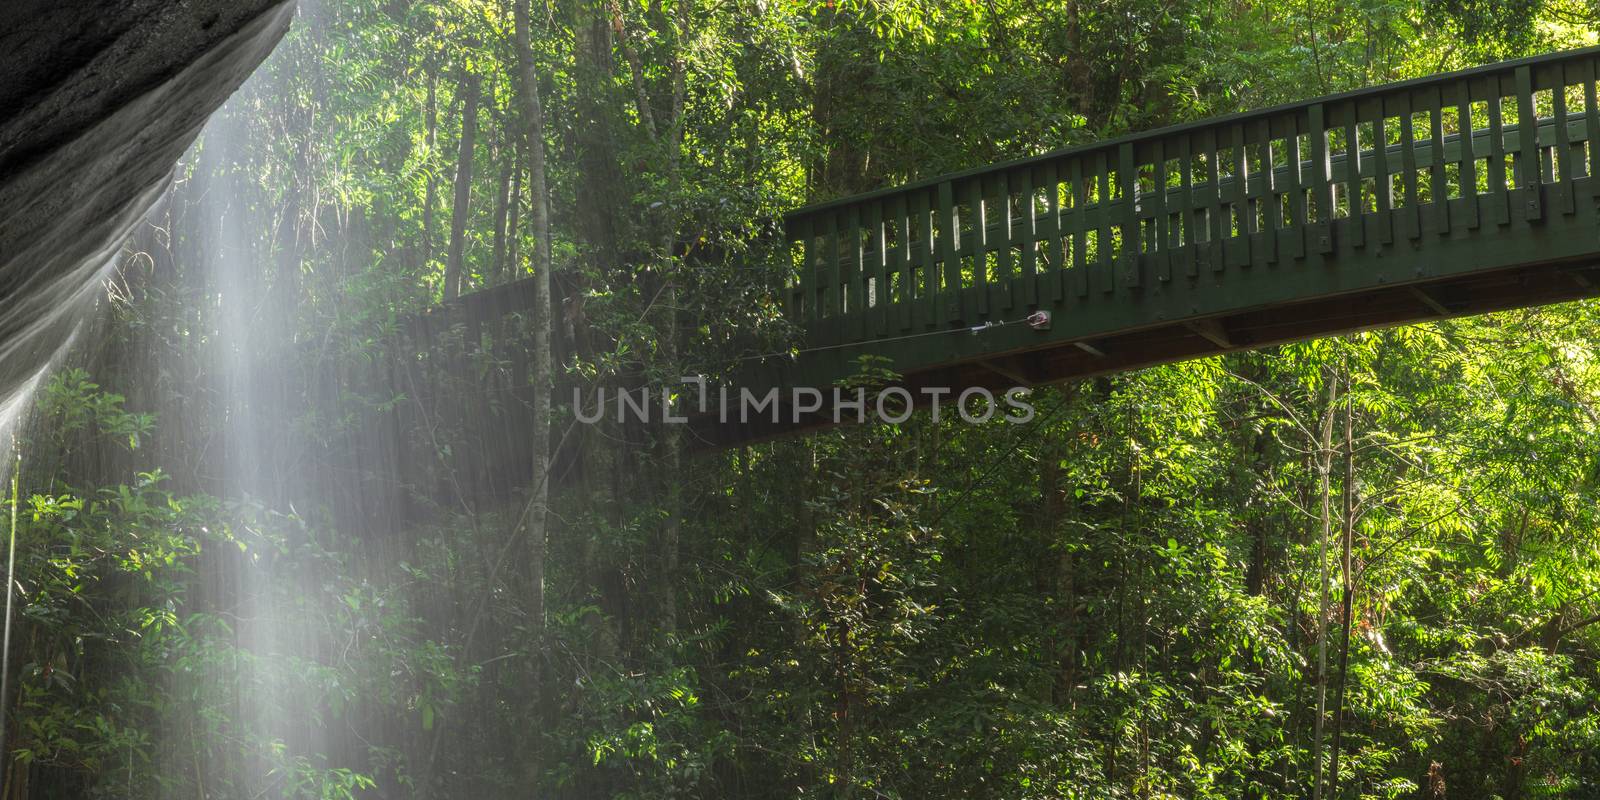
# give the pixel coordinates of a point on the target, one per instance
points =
(216, 384)
(219, 366)
(46, 320)
(229, 239)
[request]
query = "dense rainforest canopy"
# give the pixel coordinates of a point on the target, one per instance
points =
(267, 548)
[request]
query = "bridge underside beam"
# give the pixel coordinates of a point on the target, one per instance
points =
(1381, 307)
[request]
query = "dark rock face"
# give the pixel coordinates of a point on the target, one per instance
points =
(98, 100)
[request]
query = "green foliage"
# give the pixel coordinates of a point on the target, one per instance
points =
(1120, 599)
(136, 673)
(71, 404)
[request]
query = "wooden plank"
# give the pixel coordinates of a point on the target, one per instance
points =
(1128, 175)
(926, 250)
(1498, 198)
(1209, 255)
(1438, 179)
(1103, 266)
(1079, 227)
(976, 209)
(1002, 245)
(1056, 278)
(1352, 179)
(1382, 176)
(1529, 183)
(1213, 331)
(1295, 186)
(1160, 255)
(900, 261)
(1320, 232)
(1467, 158)
(831, 281)
(1265, 247)
(1028, 235)
(1411, 215)
(1563, 171)
(855, 274)
(877, 289)
(1591, 124)
(807, 279)
(1238, 247)
(1186, 208)
(949, 222)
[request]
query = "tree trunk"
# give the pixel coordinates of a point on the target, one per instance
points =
(502, 206)
(673, 437)
(1324, 479)
(430, 135)
(1349, 591)
(458, 218)
(542, 365)
(1065, 589)
(514, 219)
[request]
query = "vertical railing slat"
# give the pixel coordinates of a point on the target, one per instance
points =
(1079, 193)
(927, 247)
(1439, 179)
(1271, 211)
(901, 260)
(1382, 178)
(1563, 172)
(1128, 175)
(1055, 276)
(831, 283)
(950, 224)
(1412, 215)
(878, 290)
(807, 279)
(977, 210)
(1321, 231)
(1161, 219)
(1468, 158)
(855, 311)
(1295, 187)
(1004, 268)
(1356, 222)
(1239, 198)
(1591, 123)
(1104, 231)
(1529, 179)
(1498, 195)
(1186, 210)
(1212, 201)
(1028, 234)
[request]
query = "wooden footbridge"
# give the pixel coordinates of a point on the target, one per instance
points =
(1455, 194)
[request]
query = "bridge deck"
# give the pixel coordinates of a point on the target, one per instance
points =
(1399, 203)
(1449, 195)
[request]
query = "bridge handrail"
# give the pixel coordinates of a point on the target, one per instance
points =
(909, 254)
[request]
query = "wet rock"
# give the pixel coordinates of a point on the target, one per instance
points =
(98, 100)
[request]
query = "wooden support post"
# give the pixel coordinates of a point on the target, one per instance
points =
(1530, 181)
(1320, 232)
(1468, 158)
(1128, 175)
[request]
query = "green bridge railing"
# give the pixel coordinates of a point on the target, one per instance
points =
(1454, 194)
(1354, 174)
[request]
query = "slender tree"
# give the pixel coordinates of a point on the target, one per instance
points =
(430, 138)
(542, 369)
(1324, 481)
(1349, 519)
(454, 267)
